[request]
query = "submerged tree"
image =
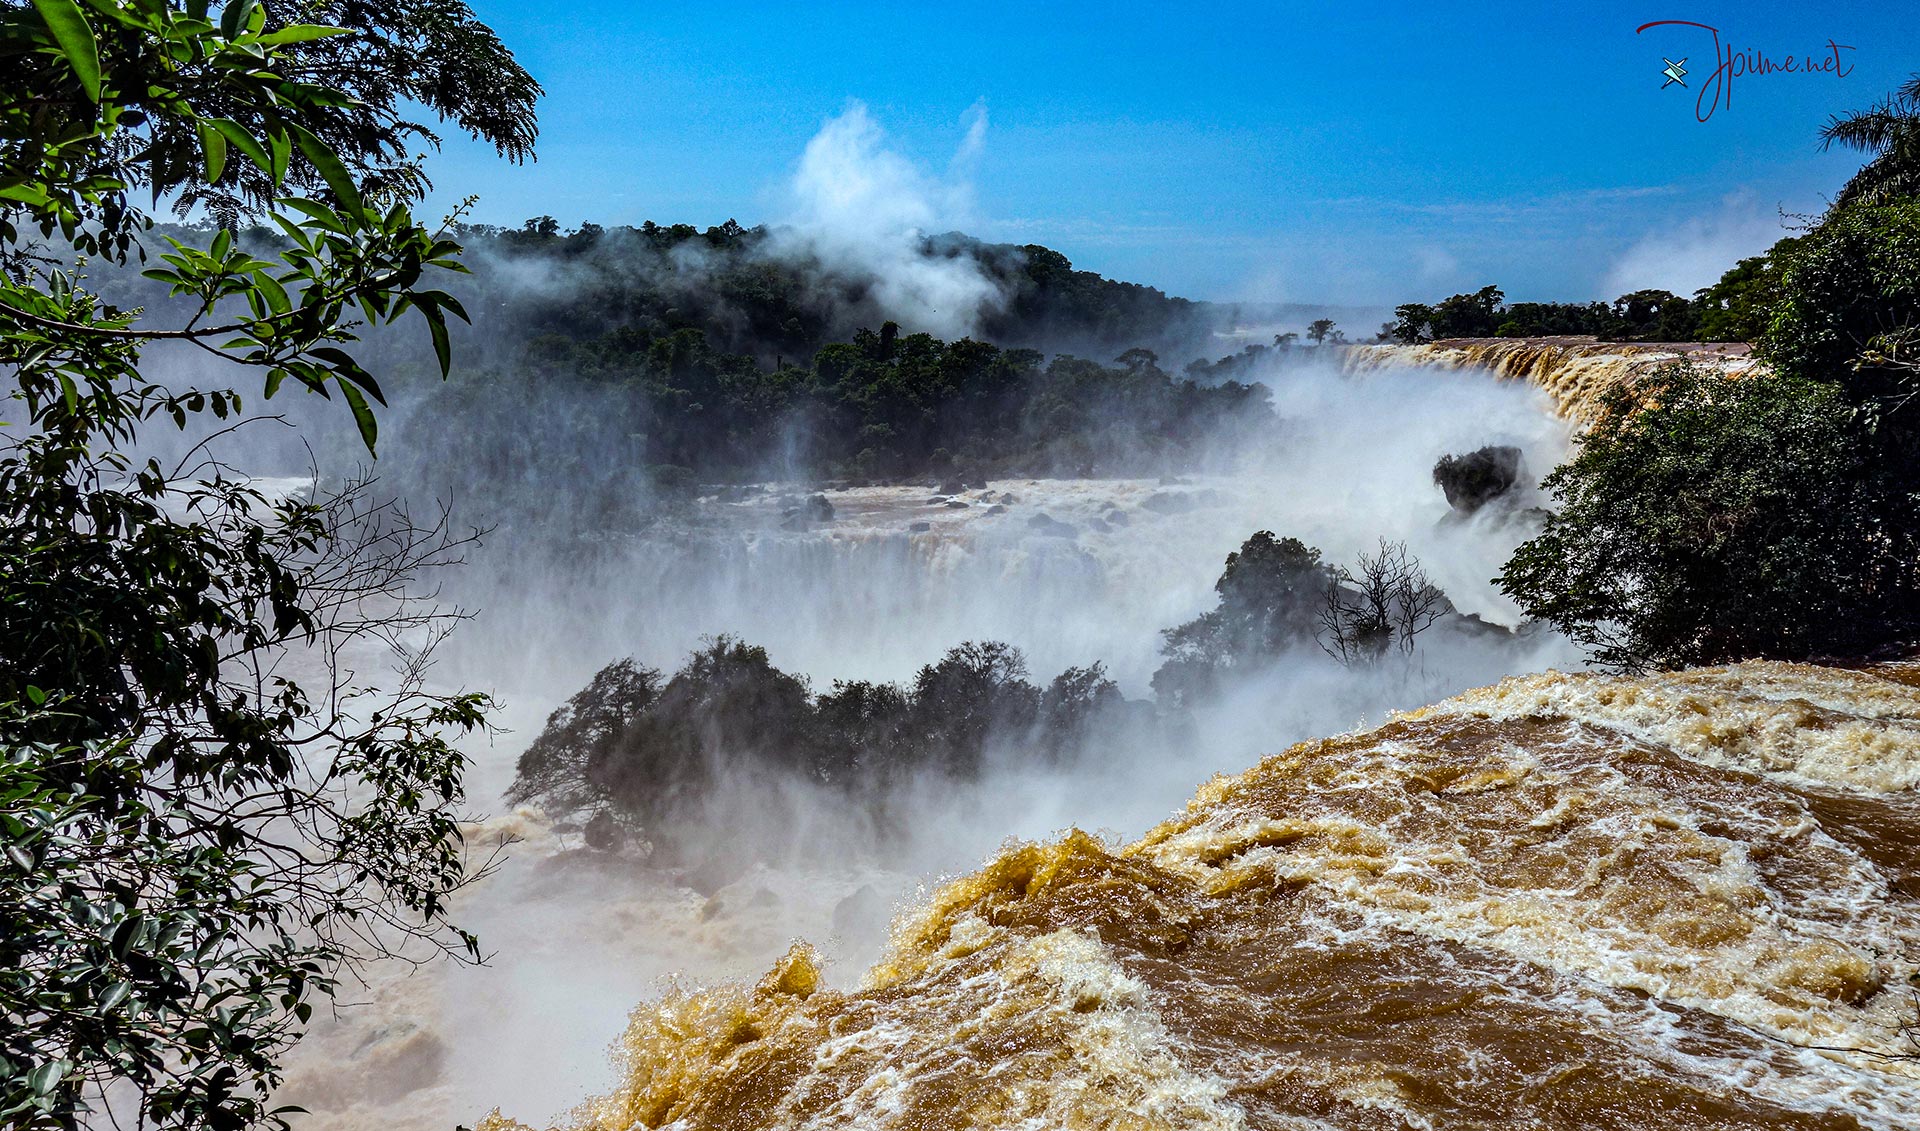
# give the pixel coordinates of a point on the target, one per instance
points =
(1381, 605)
(195, 842)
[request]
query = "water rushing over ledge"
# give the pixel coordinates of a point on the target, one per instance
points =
(1575, 371)
(1566, 901)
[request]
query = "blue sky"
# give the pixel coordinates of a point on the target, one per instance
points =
(1279, 152)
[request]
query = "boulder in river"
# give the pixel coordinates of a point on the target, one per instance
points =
(1051, 527)
(1473, 480)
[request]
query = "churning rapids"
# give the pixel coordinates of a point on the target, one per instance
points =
(1561, 901)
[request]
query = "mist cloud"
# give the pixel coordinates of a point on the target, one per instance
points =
(864, 209)
(1685, 257)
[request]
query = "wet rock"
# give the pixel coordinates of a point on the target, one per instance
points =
(803, 513)
(1180, 502)
(937, 501)
(1473, 480)
(952, 486)
(996, 509)
(1050, 527)
(957, 504)
(1098, 525)
(712, 874)
(920, 527)
(1117, 517)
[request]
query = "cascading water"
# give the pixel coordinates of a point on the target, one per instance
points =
(1576, 372)
(1567, 901)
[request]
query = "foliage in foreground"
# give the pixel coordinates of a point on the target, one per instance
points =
(1707, 519)
(194, 842)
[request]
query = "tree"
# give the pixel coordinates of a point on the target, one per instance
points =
(196, 844)
(1318, 329)
(1890, 131)
(1652, 315)
(1739, 307)
(1385, 602)
(581, 734)
(1077, 701)
(1412, 323)
(1469, 316)
(1269, 601)
(1706, 520)
(1846, 306)
(976, 692)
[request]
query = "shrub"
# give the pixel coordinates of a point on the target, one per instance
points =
(1848, 295)
(1708, 519)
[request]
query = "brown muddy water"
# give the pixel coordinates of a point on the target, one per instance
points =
(1567, 901)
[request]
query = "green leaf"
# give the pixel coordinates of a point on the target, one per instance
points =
(330, 167)
(437, 326)
(214, 145)
(116, 993)
(243, 141)
(233, 19)
(44, 1079)
(75, 37)
(273, 292)
(301, 33)
(282, 149)
(362, 415)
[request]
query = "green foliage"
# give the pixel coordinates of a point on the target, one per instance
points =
(195, 844)
(1413, 323)
(1271, 594)
(1708, 519)
(1646, 316)
(1739, 307)
(1890, 131)
(881, 405)
(632, 752)
(1651, 316)
(1847, 305)
(1277, 596)
(1469, 316)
